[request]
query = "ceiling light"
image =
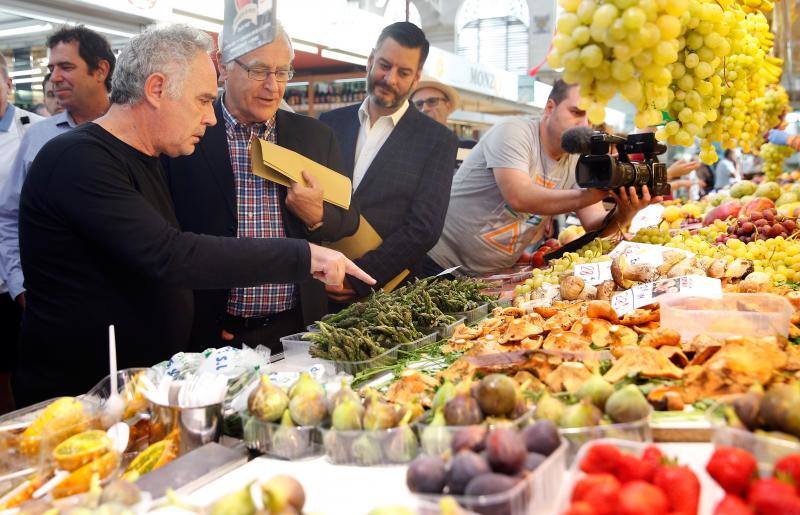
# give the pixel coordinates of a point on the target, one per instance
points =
(25, 73)
(25, 29)
(341, 56)
(303, 47)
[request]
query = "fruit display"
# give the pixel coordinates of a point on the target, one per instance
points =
(773, 157)
(285, 424)
(491, 473)
(770, 413)
(117, 496)
(614, 477)
(736, 471)
(277, 495)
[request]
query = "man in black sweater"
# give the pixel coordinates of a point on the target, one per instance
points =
(99, 239)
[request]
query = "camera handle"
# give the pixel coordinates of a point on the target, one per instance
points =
(583, 240)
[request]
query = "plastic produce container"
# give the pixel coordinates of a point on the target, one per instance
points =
(436, 439)
(735, 314)
(536, 494)
(370, 448)
(425, 340)
(636, 431)
(285, 443)
(710, 493)
(766, 449)
(446, 331)
(473, 315)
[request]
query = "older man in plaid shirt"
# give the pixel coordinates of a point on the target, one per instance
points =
(215, 192)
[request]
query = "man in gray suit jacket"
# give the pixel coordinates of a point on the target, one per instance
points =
(400, 161)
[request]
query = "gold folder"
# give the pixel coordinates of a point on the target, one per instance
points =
(284, 166)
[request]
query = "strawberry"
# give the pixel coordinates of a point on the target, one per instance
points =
(779, 504)
(788, 469)
(732, 468)
(601, 458)
(653, 457)
(580, 508)
(599, 490)
(681, 486)
(642, 498)
(630, 468)
(732, 505)
(764, 493)
(586, 483)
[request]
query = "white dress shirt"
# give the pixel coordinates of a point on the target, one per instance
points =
(12, 126)
(372, 137)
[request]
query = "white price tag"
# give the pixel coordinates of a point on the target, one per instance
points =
(648, 293)
(594, 273)
(646, 253)
(647, 217)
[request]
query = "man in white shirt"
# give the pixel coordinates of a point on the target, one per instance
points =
(401, 160)
(13, 124)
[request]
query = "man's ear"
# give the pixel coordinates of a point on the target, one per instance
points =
(549, 107)
(102, 71)
(155, 89)
(223, 68)
(370, 60)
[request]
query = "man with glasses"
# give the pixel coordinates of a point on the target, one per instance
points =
(215, 192)
(435, 99)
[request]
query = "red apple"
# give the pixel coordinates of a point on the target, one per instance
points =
(724, 211)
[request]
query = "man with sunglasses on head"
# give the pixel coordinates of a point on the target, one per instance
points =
(215, 192)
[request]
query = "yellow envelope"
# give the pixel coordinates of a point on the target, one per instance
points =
(364, 240)
(284, 166)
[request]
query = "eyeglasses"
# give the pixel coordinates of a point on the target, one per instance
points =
(430, 102)
(262, 74)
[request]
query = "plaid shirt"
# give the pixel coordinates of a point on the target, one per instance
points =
(259, 216)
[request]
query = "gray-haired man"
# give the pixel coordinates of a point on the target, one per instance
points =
(99, 238)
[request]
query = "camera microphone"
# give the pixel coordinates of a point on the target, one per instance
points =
(577, 140)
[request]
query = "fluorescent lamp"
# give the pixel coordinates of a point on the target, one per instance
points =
(341, 56)
(304, 47)
(113, 32)
(25, 29)
(37, 87)
(29, 80)
(25, 73)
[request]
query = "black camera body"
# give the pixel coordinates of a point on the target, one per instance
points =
(598, 169)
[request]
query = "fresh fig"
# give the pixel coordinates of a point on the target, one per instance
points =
(366, 451)
(288, 442)
(308, 409)
(747, 407)
(506, 451)
(549, 408)
(282, 492)
(464, 466)
(541, 437)
(488, 484)
(780, 408)
(435, 437)
(463, 409)
(267, 402)
(306, 385)
(402, 445)
(472, 438)
(379, 415)
(533, 460)
(497, 395)
(627, 404)
(597, 390)
(344, 393)
(347, 416)
(581, 414)
(443, 394)
(239, 501)
(426, 475)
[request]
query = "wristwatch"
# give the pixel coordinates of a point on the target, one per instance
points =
(312, 228)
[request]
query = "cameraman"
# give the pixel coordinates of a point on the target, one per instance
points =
(511, 185)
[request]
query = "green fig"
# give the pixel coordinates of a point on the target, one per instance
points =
(445, 392)
(402, 446)
(267, 402)
(582, 414)
(347, 416)
(746, 408)
(308, 409)
(366, 451)
(345, 393)
(379, 415)
(281, 493)
(597, 390)
(549, 408)
(239, 502)
(306, 384)
(436, 437)
(288, 441)
(780, 408)
(627, 405)
(497, 395)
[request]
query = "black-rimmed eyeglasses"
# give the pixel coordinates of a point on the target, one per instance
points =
(262, 74)
(430, 102)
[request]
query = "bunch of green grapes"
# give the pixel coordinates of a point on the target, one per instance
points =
(776, 104)
(652, 235)
(697, 86)
(593, 252)
(773, 157)
(611, 46)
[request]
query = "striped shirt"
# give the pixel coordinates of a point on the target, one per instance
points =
(259, 216)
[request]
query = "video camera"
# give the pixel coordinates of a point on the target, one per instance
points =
(598, 169)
